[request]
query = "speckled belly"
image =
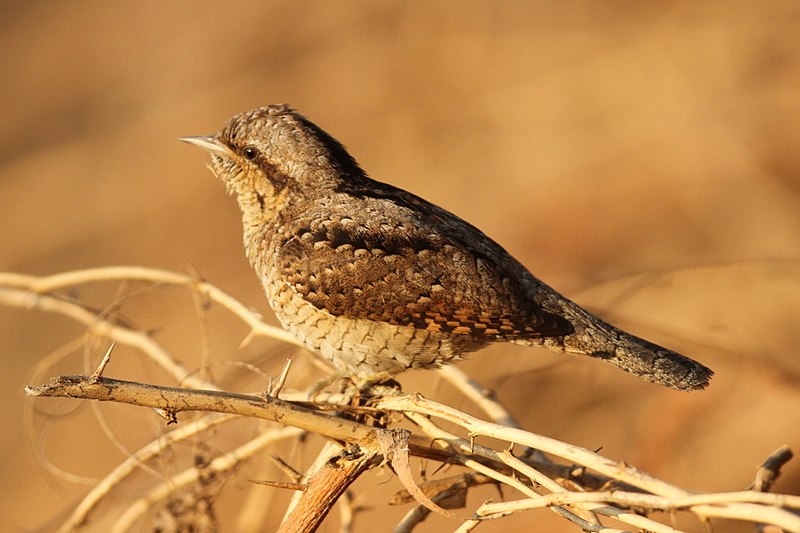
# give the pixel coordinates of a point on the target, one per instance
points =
(359, 346)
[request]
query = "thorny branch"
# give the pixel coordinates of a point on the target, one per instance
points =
(582, 486)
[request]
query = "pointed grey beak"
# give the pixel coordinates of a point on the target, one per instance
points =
(208, 143)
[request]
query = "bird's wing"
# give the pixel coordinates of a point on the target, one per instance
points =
(363, 264)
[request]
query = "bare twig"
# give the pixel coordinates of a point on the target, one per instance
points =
(136, 461)
(220, 464)
(604, 488)
(325, 487)
(751, 507)
(770, 469)
(47, 284)
(175, 400)
(483, 398)
(475, 427)
(734, 510)
(120, 334)
(449, 495)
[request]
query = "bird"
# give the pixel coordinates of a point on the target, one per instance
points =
(377, 280)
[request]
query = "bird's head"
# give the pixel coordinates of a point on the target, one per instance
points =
(265, 155)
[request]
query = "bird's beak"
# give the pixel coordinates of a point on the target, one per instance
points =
(208, 143)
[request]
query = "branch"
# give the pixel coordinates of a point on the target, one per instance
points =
(582, 486)
(173, 400)
(765, 508)
(324, 488)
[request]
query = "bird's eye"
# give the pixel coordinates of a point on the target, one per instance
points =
(250, 153)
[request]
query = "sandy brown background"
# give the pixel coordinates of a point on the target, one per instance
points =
(642, 157)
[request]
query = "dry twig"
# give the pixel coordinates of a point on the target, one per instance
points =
(605, 488)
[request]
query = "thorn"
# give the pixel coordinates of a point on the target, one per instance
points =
(275, 390)
(98, 373)
(287, 468)
(281, 484)
(250, 336)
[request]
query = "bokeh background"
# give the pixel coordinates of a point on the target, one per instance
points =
(641, 157)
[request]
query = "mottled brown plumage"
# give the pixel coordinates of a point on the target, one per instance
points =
(378, 280)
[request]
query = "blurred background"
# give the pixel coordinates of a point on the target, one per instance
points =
(640, 157)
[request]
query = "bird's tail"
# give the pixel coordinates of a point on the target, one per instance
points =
(596, 338)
